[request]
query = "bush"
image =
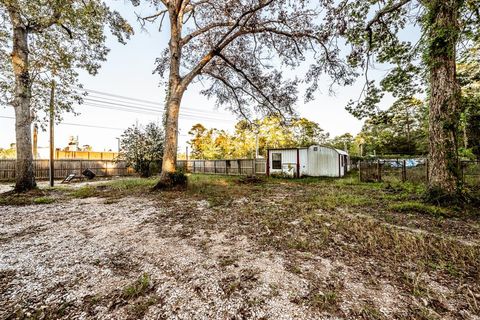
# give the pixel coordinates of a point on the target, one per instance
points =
(142, 148)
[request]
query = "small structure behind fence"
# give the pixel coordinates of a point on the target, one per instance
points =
(411, 170)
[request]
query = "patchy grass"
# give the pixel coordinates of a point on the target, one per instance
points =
(324, 301)
(363, 225)
(382, 234)
(419, 207)
(43, 200)
(22, 199)
(83, 192)
(132, 184)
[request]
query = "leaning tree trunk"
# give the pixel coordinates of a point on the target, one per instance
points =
(25, 179)
(444, 97)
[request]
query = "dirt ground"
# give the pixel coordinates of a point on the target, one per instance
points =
(190, 256)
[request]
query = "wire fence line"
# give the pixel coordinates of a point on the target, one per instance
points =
(411, 170)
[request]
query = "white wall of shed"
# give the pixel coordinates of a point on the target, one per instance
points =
(323, 163)
(303, 162)
(289, 161)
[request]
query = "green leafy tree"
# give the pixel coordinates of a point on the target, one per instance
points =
(42, 44)
(229, 45)
(373, 29)
(401, 129)
(142, 147)
(343, 142)
(8, 153)
(307, 133)
(270, 132)
(469, 77)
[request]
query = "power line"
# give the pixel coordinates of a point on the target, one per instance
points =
(86, 125)
(157, 113)
(188, 112)
(144, 103)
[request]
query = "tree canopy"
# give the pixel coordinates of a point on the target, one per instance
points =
(63, 37)
(42, 45)
(219, 144)
(142, 147)
(239, 50)
(373, 30)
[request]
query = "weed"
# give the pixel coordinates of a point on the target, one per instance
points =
(327, 301)
(370, 312)
(141, 286)
(139, 308)
(225, 261)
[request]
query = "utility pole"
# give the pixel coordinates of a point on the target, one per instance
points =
(35, 141)
(52, 136)
(256, 145)
(118, 144)
(257, 131)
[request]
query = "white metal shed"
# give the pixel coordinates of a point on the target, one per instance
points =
(314, 161)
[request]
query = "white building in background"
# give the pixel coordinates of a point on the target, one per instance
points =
(314, 161)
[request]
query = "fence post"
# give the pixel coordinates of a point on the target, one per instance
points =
(404, 171)
(379, 171)
(215, 166)
(239, 167)
(426, 169)
(463, 171)
(254, 167)
(360, 171)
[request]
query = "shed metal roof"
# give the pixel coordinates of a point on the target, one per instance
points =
(314, 145)
(342, 152)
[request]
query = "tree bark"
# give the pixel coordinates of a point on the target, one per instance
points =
(444, 97)
(169, 163)
(25, 179)
(174, 98)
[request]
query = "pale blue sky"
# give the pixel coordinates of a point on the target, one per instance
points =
(128, 72)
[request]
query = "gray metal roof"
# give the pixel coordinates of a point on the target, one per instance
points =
(313, 145)
(341, 152)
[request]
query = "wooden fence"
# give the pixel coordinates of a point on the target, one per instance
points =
(109, 168)
(102, 168)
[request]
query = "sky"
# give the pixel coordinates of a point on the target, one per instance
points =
(128, 73)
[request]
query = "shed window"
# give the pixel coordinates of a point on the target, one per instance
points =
(276, 161)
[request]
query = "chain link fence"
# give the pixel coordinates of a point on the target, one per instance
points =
(411, 170)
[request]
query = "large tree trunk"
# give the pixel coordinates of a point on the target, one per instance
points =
(169, 163)
(25, 179)
(444, 98)
(174, 98)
